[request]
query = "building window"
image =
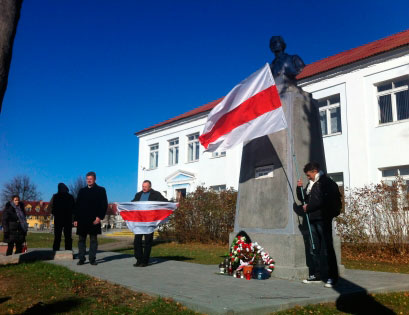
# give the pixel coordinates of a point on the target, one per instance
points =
(174, 151)
(330, 115)
(393, 100)
(219, 154)
(153, 156)
(193, 147)
(389, 174)
(218, 187)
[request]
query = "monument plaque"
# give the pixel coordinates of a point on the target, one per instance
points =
(265, 205)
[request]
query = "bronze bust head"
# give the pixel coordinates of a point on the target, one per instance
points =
(284, 67)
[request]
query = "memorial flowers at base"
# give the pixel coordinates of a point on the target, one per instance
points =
(243, 253)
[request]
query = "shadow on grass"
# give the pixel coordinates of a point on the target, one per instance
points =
(4, 299)
(355, 299)
(56, 307)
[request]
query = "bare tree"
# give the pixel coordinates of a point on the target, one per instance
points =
(76, 185)
(9, 16)
(21, 186)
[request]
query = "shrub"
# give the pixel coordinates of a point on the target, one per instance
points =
(204, 216)
(377, 214)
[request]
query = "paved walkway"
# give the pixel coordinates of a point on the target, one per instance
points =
(200, 288)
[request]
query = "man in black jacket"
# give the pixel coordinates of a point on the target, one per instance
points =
(141, 253)
(62, 206)
(90, 209)
(321, 195)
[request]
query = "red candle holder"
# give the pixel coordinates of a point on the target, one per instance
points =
(247, 270)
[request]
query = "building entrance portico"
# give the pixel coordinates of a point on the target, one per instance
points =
(179, 184)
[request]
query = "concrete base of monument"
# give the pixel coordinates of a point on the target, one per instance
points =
(290, 254)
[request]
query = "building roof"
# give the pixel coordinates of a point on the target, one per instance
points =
(196, 111)
(356, 54)
(344, 58)
(40, 208)
(37, 208)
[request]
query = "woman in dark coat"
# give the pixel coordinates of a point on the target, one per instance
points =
(14, 225)
(62, 206)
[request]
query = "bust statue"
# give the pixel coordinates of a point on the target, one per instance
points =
(284, 67)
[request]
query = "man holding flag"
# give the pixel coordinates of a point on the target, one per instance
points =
(147, 210)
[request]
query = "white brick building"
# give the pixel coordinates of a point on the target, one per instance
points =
(364, 104)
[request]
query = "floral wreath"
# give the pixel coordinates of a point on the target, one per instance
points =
(243, 254)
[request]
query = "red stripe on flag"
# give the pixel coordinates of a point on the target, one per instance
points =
(257, 105)
(145, 215)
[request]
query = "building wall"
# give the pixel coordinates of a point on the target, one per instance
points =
(207, 171)
(365, 146)
(360, 151)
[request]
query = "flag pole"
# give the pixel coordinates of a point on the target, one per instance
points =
(303, 199)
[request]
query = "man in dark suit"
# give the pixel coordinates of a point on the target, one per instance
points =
(90, 209)
(142, 253)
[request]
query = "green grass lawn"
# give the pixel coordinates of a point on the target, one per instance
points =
(45, 240)
(374, 265)
(194, 253)
(42, 288)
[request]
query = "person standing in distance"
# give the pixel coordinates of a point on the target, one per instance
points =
(62, 206)
(15, 225)
(142, 253)
(90, 209)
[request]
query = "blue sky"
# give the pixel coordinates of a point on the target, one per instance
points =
(86, 75)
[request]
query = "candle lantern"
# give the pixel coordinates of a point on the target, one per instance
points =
(259, 271)
(221, 267)
(247, 270)
(226, 264)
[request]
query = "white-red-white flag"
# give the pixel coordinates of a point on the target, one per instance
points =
(251, 110)
(143, 217)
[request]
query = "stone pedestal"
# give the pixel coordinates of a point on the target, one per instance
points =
(266, 199)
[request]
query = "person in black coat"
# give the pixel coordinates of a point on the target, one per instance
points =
(90, 209)
(14, 225)
(62, 206)
(142, 253)
(320, 195)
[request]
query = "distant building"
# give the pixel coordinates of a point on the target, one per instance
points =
(363, 99)
(113, 219)
(38, 215)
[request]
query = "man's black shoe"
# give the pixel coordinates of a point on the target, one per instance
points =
(144, 265)
(138, 264)
(94, 263)
(81, 262)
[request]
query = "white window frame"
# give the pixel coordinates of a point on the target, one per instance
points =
(153, 155)
(173, 153)
(218, 154)
(388, 180)
(193, 139)
(327, 110)
(391, 92)
(218, 188)
(398, 173)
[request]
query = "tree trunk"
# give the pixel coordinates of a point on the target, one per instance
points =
(9, 16)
